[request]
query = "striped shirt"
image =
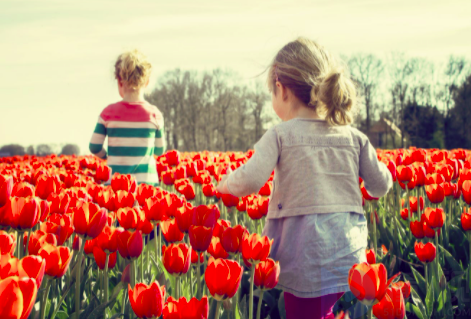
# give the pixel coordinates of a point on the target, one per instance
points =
(135, 134)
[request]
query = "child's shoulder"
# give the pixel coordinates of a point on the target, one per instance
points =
(133, 112)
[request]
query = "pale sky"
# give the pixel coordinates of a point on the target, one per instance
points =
(56, 57)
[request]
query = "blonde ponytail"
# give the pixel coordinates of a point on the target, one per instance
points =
(316, 78)
(337, 93)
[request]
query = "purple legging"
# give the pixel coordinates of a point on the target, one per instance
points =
(310, 308)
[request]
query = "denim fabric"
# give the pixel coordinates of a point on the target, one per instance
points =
(316, 251)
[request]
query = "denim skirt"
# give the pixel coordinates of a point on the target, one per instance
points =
(316, 251)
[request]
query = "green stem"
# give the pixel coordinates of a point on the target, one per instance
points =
(436, 264)
(259, 305)
(160, 242)
(106, 281)
(78, 294)
(218, 307)
(426, 276)
(142, 260)
(177, 287)
(191, 281)
(375, 241)
(252, 273)
(156, 243)
(132, 272)
(147, 254)
(44, 301)
(370, 312)
(27, 243)
(198, 277)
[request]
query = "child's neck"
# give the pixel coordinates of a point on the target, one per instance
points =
(133, 96)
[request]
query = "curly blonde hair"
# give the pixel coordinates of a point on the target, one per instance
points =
(132, 69)
(316, 78)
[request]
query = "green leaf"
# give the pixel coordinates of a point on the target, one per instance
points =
(416, 299)
(415, 310)
(420, 280)
(429, 300)
(454, 265)
(62, 315)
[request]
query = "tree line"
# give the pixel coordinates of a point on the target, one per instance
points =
(218, 111)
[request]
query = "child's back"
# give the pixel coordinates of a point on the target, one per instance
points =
(133, 126)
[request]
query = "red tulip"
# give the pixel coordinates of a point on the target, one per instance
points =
(200, 237)
(435, 193)
(258, 209)
(155, 209)
(413, 203)
(108, 239)
(417, 229)
(18, 297)
(216, 250)
(404, 173)
(173, 157)
(38, 239)
(130, 218)
(59, 203)
(123, 182)
(466, 189)
(103, 173)
(89, 220)
(391, 306)
(123, 199)
(144, 192)
(465, 219)
(89, 246)
(256, 248)
(435, 217)
(266, 189)
(426, 253)
(220, 226)
(46, 185)
(404, 286)
(187, 190)
(209, 190)
(230, 200)
(57, 259)
(60, 225)
(100, 258)
(223, 278)
(130, 244)
(405, 214)
(183, 309)
(32, 267)
(105, 199)
(368, 283)
(194, 257)
(22, 189)
(176, 258)
(205, 215)
(184, 217)
(232, 238)
(168, 178)
(267, 274)
(170, 231)
(6, 187)
(7, 243)
(147, 301)
(370, 256)
(8, 266)
(24, 212)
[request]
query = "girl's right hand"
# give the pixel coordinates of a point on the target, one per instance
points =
(222, 185)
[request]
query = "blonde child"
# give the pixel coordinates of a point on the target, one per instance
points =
(135, 128)
(315, 213)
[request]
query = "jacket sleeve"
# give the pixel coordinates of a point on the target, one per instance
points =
(251, 176)
(98, 138)
(160, 145)
(375, 174)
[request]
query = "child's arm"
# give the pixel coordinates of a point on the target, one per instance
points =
(160, 145)
(249, 178)
(375, 174)
(98, 138)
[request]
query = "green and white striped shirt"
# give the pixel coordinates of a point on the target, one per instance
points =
(135, 134)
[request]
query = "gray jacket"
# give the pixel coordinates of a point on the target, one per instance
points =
(316, 169)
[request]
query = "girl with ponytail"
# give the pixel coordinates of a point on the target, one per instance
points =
(315, 213)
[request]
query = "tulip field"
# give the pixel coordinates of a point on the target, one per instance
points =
(78, 241)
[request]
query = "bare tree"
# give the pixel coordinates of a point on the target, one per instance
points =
(366, 70)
